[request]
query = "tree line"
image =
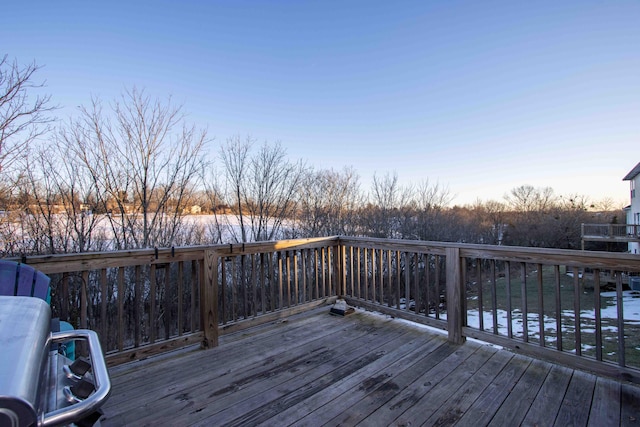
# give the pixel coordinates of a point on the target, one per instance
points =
(133, 173)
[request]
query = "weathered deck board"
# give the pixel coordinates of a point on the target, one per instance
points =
(315, 369)
(545, 407)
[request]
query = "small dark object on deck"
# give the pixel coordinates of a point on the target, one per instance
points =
(340, 308)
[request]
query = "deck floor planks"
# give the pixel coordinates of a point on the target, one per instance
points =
(346, 360)
(331, 382)
(458, 404)
(201, 396)
(629, 405)
(605, 410)
(385, 373)
(489, 402)
(153, 369)
(342, 392)
(384, 384)
(422, 379)
(515, 407)
(576, 404)
(545, 407)
(237, 357)
(438, 395)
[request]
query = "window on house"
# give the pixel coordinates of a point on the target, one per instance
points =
(633, 188)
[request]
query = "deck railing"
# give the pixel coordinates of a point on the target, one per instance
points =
(143, 302)
(571, 307)
(611, 231)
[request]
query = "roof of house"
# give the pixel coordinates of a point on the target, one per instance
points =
(635, 171)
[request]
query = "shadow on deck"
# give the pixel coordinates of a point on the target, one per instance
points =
(314, 369)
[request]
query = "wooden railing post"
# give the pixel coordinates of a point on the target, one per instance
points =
(455, 295)
(209, 302)
(341, 270)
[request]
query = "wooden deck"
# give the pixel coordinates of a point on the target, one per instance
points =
(316, 369)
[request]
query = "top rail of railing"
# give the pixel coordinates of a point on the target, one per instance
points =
(611, 231)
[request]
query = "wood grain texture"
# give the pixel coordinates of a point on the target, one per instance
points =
(364, 369)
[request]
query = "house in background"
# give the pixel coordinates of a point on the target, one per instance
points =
(633, 210)
(629, 232)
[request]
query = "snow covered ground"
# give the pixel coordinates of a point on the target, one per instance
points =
(608, 312)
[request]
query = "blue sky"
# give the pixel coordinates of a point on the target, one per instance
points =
(479, 96)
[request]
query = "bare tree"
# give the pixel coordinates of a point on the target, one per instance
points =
(382, 217)
(144, 162)
(260, 186)
(432, 222)
(328, 202)
(23, 118)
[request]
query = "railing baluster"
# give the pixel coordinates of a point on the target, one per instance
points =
(576, 310)
(280, 281)
(351, 275)
(253, 304)
(598, 313)
(104, 299)
(525, 311)
(494, 297)
(507, 277)
(121, 292)
(137, 303)
(287, 255)
(540, 307)
(272, 279)
(316, 268)
(398, 276)
(263, 285)
(389, 279)
(323, 267)
(380, 275)
(407, 278)
(620, 307)
(223, 291)
(303, 262)
(244, 285)
(427, 268)
(558, 308)
(365, 262)
(180, 278)
(436, 286)
(296, 284)
(373, 276)
(416, 284)
(194, 290)
(234, 289)
(152, 304)
(167, 301)
(480, 300)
